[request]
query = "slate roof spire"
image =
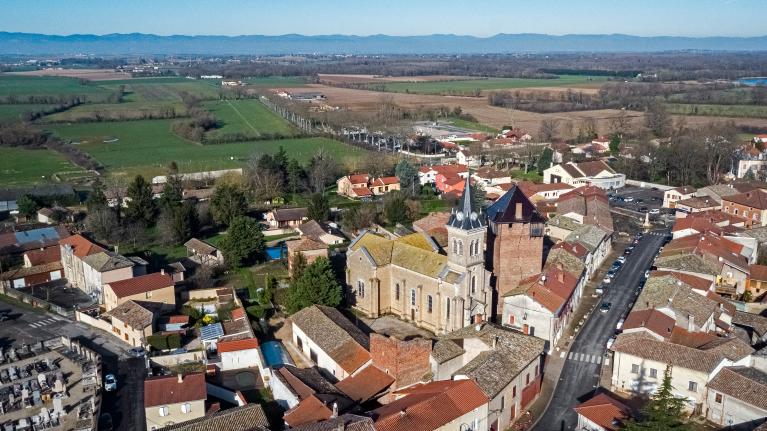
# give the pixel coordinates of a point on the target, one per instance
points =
(465, 215)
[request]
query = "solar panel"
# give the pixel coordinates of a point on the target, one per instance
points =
(212, 332)
(37, 235)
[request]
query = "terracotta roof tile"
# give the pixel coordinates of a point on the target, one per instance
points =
(237, 345)
(164, 390)
(81, 246)
(366, 384)
(604, 411)
(752, 199)
(745, 384)
(758, 272)
(250, 417)
(308, 410)
(430, 406)
(141, 284)
(651, 319)
(46, 255)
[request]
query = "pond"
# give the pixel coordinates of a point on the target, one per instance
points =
(275, 354)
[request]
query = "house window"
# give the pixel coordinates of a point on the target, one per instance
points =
(412, 297)
(635, 368)
(300, 343)
(313, 355)
(653, 373)
(163, 411)
(460, 248)
(503, 402)
(527, 379)
(428, 304)
(473, 284)
(692, 386)
(514, 391)
(447, 309)
(186, 408)
(536, 370)
(361, 288)
(455, 246)
(718, 398)
(511, 319)
(396, 292)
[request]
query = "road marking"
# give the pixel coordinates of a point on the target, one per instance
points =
(607, 361)
(562, 354)
(570, 356)
(599, 360)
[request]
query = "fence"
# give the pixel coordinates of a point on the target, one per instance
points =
(645, 184)
(37, 302)
(93, 321)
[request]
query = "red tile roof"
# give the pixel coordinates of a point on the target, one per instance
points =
(430, 406)
(573, 248)
(450, 169)
(238, 313)
(141, 284)
(651, 319)
(81, 246)
(698, 224)
(604, 411)
(366, 384)
(362, 191)
(359, 178)
(237, 345)
(698, 283)
(385, 181)
(551, 292)
(164, 390)
(307, 411)
(179, 318)
(753, 199)
(758, 272)
(44, 256)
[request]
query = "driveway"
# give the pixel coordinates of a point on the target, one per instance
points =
(581, 372)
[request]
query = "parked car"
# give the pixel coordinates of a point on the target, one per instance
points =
(647, 274)
(605, 307)
(619, 326)
(610, 342)
(110, 382)
(628, 199)
(643, 209)
(655, 211)
(621, 259)
(607, 279)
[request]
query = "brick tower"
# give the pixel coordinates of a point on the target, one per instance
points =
(515, 242)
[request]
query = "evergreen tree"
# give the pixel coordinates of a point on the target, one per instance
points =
(172, 192)
(27, 205)
(228, 202)
(96, 198)
(297, 266)
(478, 195)
(281, 161)
(545, 161)
(316, 285)
(140, 205)
(395, 208)
(663, 411)
(408, 178)
(615, 145)
(243, 242)
(319, 208)
(295, 176)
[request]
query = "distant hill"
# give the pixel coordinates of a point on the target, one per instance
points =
(137, 43)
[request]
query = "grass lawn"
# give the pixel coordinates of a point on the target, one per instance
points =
(23, 167)
(532, 175)
(751, 111)
(469, 85)
(433, 205)
(147, 147)
(247, 116)
(472, 125)
(14, 85)
(86, 111)
(163, 89)
(275, 81)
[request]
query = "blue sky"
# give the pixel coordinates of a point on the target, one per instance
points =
(395, 17)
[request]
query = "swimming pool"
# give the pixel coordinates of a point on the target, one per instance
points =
(276, 252)
(275, 354)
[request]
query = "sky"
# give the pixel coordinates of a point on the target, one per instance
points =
(394, 17)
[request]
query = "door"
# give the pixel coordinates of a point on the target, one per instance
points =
(412, 314)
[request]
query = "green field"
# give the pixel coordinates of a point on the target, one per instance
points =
(751, 111)
(275, 81)
(87, 111)
(163, 90)
(148, 146)
(13, 112)
(469, 85)
(12, 85)
(472, 125)
(23, 167)
(247, 116)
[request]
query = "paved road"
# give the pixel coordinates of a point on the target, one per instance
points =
(126, 404)
(580, 375)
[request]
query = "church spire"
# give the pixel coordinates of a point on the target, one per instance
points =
(465, 215)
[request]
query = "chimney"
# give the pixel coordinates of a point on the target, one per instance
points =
(561, 276)
(162, 271)
(117, 249)
(335, 411)
(691, 323)
(180, 378)
(543, 279)
(495, 342)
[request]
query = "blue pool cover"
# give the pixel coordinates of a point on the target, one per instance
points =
(275, 354)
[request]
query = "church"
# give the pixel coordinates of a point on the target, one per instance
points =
(444, 289)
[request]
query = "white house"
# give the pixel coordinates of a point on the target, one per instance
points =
(602, 413)
(239, 354)
(428, 174)
(736, 396)
(465, 157)
(330, 340)
(670, 197)
(596, 173)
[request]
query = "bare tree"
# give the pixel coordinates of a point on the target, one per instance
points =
(620, 124)
(103, 223)
(548, 130)
(322, 170)
(657, 119)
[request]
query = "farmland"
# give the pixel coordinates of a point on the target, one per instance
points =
(751, 111)
(16, 85)
(247, 116)
(23, 167)
(12, 112)
(473, 85)
(148, 146)
(163, 89)
(275, 81)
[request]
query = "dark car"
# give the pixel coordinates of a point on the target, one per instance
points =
(605, 307)
(639, 200)
(643, 209)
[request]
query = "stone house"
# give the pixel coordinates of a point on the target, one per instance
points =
(751, 205)
(284, 218)
(757, 281)
(203, 253)
(411, 278)
(736, 397)
(131, 322)
(156, 288)
(330, 341)
(170, 400)
(310, 248)
(506, 365)
(670, 197)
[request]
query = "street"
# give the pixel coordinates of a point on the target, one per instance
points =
(580, 375)
(27, 326)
